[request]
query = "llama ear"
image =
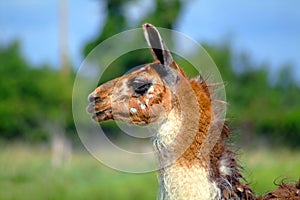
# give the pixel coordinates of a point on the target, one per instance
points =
(157, 45)
(168, 69)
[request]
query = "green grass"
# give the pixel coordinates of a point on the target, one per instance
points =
(264, 167)
(26, 173)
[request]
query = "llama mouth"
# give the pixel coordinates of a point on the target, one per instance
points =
(102, 116)
(99, 110)
(94, 107)
(99, 115)
(90, 108)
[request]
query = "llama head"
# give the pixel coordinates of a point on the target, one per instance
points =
(142, 96)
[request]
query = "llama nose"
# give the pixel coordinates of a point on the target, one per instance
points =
(91, 98)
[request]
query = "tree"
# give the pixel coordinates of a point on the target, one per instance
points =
(30, 96)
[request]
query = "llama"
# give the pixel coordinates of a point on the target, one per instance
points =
(161, 93)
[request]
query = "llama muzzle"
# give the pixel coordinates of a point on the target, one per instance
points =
(100, 105)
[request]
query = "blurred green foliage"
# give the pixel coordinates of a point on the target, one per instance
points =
(259, 104)
(31, 98)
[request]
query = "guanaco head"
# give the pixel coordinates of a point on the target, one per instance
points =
(143, 96)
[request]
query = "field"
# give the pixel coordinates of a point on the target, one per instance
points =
(26, 173)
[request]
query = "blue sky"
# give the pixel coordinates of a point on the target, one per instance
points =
(268, 30)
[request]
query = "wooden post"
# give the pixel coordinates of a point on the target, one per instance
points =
(60, 143)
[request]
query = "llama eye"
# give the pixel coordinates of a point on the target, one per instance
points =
(142, 89)
(140, 86)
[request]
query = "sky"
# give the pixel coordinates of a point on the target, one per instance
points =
(269, 30)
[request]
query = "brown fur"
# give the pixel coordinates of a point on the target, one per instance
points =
(168, 90)
(285, 191)
(206, 113)
(237, 189)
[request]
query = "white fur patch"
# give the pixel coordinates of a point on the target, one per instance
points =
(151, 89)
(133, 110)
(181, 182)
(143, 106)
(150, 94)
(169, 130)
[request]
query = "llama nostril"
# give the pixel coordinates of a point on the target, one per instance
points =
(91, 97)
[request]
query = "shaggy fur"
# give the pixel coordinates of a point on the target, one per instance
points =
(195, 162)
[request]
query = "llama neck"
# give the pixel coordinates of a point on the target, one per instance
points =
(196, 171)
(185, 174)
(185, 177)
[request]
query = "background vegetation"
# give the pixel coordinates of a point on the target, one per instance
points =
(26, 173)
(35, 102)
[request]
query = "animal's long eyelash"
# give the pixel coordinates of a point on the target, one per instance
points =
(140, 86)
(143, 88)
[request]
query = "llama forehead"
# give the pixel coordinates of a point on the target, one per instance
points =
(146, 73)
(121, 88)
(124, 84)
